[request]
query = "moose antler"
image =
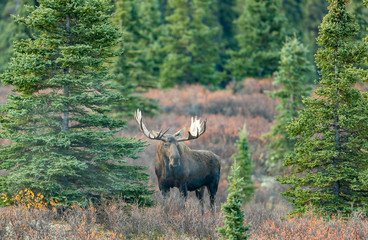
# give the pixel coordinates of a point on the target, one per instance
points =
(197, 128)
(151, 135)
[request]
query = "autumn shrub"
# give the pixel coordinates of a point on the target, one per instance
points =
(252, 85)
(17, 222)
(169, 219)
(28, 199)
(267, 194)
(312, 228)
(274, 224)
(197, 100)
(82, 222)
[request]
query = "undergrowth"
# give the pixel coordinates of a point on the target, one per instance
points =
(171, 218)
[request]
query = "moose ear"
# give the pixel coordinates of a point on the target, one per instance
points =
(180, 133)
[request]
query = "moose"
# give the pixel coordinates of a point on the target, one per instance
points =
(178, 166)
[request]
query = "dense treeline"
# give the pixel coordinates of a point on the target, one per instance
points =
(216, 26)
(209, 42)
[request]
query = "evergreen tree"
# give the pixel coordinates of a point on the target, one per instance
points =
(364, 174)
(190, 45)
(360, 13)
(314, 11)
(293, 11)
(232, 209)
(9, 30)
(136, 68)
(293, 76)
(163, 6)
(226, 14)
(331, 153)
(244, 162)
(63, 143)
(260, 33)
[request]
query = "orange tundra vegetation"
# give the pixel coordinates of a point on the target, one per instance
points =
(225, 112)
(168, 220)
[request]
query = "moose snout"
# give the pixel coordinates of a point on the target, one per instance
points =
(174, 162)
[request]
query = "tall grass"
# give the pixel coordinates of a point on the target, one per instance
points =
(171, 218)
(274, 224)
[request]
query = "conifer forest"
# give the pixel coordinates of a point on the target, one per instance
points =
(184, 119)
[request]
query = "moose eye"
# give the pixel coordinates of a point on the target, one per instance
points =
(167, 145)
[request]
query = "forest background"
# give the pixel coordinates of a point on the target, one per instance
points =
(215, 59)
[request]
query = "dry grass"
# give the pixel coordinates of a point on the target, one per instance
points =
(268, 224)
(168, 219)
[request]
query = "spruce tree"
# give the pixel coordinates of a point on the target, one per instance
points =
(163, 7)
(63, 144)
(244, 162)
(190, 45)
(364, 174)
(293, 11)
(360, 13)
(226, 14)
(313, 12)
(232, 209)
(293, 77)
(260, 33)
(331, 154)
(9, 30)
(136, 68)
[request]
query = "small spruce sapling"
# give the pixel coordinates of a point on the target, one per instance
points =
(232, 209)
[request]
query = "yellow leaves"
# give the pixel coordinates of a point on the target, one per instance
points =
(4, 197)
(28, 199)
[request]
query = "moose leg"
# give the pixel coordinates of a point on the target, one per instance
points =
(199, 193)
(184, 191)
(164, 191)
(212, 202)
(212, 189)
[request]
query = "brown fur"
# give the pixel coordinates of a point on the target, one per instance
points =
(197, 169)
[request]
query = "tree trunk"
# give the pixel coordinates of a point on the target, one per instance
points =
(65, 124)
(336, 127)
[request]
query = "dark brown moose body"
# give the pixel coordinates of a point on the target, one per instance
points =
(178, 166)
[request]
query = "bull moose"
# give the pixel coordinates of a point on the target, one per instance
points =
(178, 166)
